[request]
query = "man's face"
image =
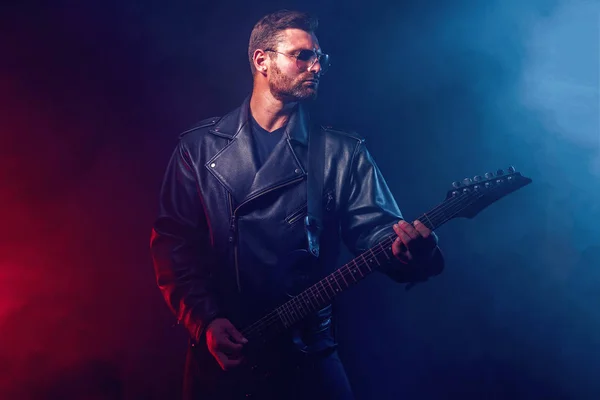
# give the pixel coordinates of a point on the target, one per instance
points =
(286, 81)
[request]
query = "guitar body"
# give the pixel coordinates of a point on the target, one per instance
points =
(268, 350)
(252, 379)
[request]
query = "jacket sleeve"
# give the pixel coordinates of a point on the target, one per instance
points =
(369, 213)
(180, 247)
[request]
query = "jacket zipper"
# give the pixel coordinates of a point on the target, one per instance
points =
(267, 191)
(233, 240)
(233, 224)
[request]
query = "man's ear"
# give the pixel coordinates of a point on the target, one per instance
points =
(260, 61)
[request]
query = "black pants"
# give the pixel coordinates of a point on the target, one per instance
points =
(320, 376)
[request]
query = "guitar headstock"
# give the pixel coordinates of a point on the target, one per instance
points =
(471, 195)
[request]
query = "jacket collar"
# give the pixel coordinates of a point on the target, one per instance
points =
(231, 124)
(235, 165)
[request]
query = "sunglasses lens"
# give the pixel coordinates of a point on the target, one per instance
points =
(324, 61)
(306, 56)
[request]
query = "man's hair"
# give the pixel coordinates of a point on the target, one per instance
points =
(267, 31)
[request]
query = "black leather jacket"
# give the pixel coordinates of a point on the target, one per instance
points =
(223, 224)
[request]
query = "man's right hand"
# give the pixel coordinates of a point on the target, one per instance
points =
(225, 343)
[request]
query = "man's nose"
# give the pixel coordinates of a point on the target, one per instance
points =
(316, 66)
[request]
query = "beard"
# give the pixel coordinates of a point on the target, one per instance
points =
(285, 88)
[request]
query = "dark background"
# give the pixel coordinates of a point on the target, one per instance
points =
(93, 95)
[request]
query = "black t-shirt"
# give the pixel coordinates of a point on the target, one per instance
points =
(264, 141)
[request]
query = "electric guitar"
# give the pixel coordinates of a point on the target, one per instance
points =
(274, 329)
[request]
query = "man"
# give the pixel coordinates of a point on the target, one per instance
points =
(231, 209)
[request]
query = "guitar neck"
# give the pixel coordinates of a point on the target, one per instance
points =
(322, 293)
(463, 201)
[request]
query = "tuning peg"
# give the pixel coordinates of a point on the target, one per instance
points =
(477, 178)
(467, 181)
(499, 172)
(489, 175)
(456, 184)
(511, 170)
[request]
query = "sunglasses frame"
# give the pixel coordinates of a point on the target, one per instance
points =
(315, 56)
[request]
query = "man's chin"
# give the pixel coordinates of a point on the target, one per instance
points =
(308, 94)
(305, 94)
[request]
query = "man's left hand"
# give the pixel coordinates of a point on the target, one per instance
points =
(415, 243)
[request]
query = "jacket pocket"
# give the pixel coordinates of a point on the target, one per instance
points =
(296, 215)
(301, 212)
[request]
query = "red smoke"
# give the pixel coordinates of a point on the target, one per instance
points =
(80, 315)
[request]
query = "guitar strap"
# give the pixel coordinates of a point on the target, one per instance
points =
(314, 202)
(314, 197)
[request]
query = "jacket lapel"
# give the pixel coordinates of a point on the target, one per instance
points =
(280, 168)
(235, 167)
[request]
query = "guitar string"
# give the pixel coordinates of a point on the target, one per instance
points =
(297, 301)
(274, 316)
(289, 305)
(436, 212)
(304, 299)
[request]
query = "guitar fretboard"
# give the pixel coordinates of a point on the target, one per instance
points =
(322, 293)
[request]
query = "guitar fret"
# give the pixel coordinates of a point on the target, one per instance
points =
(436, 220)
(316, 295)
(374, 258)
(307, 301)
(336, 282)
(288, 317)
(316, 292)
(297, 306)
(292, 314)
(342, 275)
(303, 302)
(324, 289)
(428, 222)
(314, 300)
(332, 290)
(370, 260)
(284, 310)
(282, 316)
(385, 251)
(291, 311)
(349, 270)
(307, 305)
(321, 291)
(358, 266)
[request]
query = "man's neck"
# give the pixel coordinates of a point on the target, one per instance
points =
(268, 112)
